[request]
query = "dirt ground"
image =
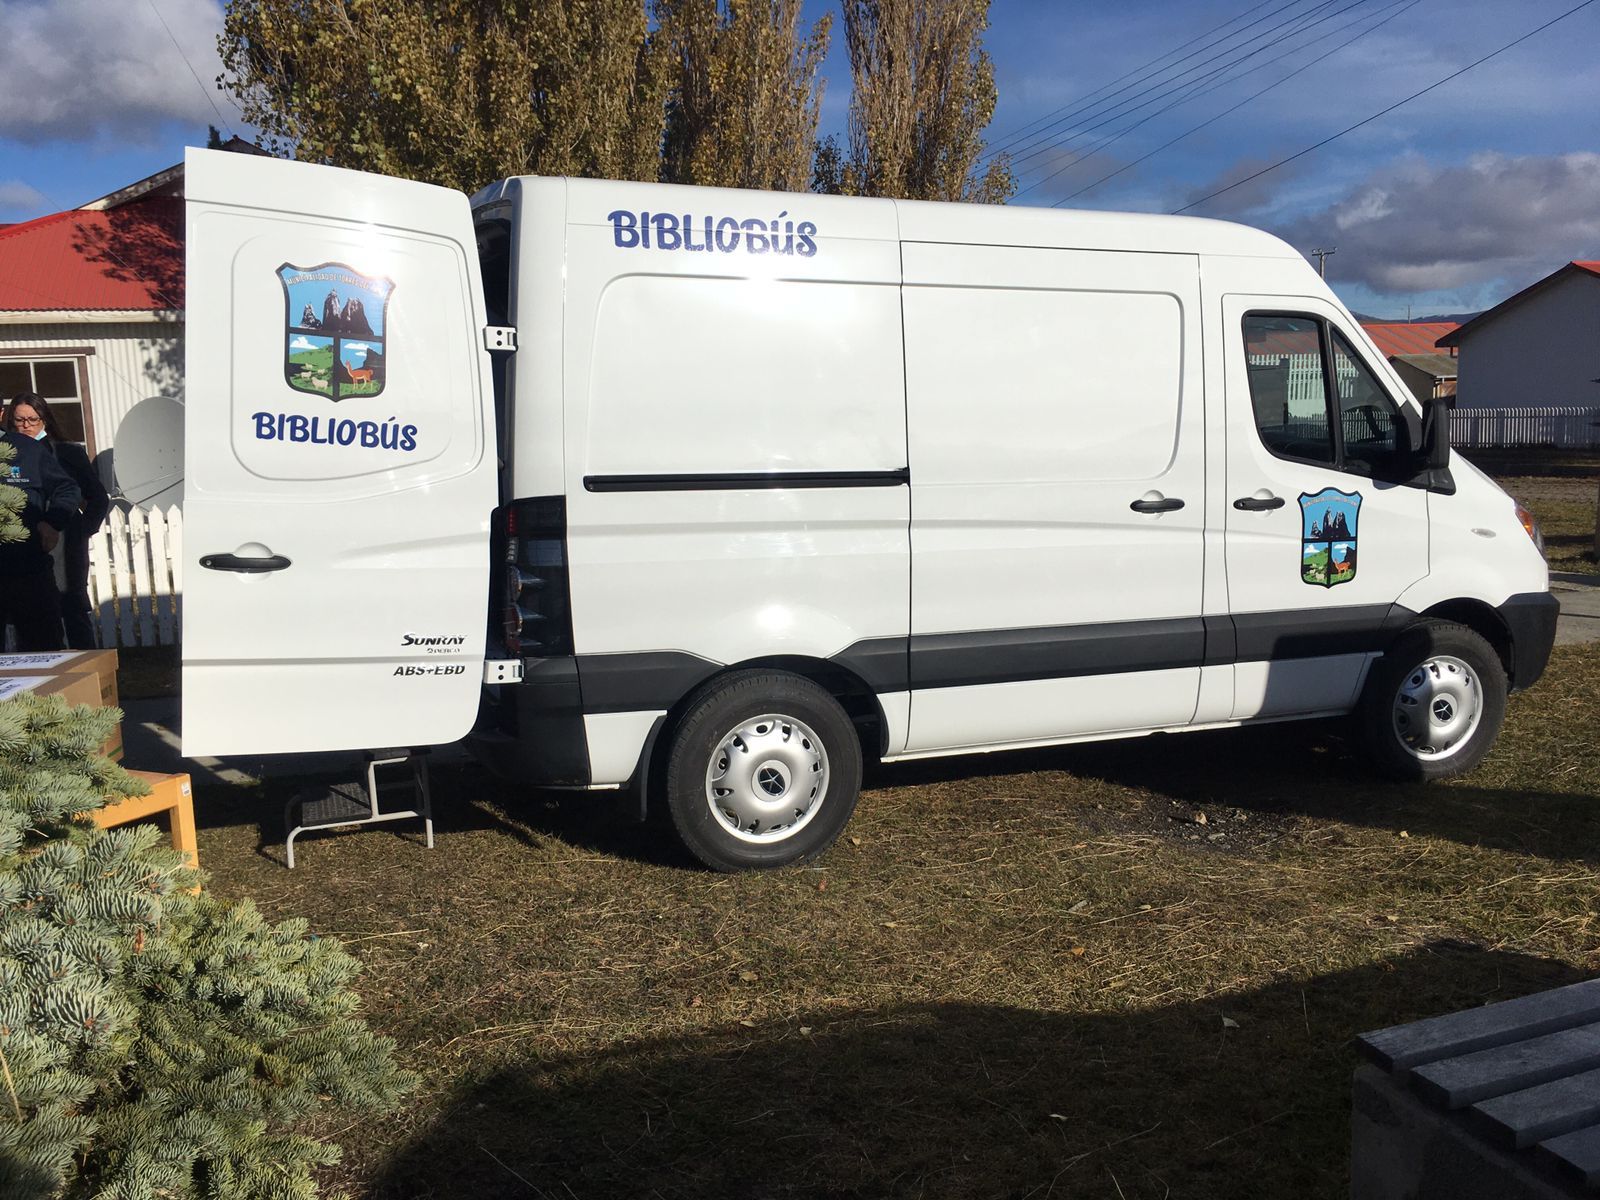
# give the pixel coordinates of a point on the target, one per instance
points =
(1132, 968)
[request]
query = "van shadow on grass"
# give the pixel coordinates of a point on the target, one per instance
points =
(1239, 1096)
(466, 799)
(1294, 769)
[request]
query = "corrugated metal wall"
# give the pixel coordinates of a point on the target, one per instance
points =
(129, 363)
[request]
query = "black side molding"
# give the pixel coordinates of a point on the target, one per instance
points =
(746, 480)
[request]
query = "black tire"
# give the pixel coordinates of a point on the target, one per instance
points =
(1406, 668)
(773, 787)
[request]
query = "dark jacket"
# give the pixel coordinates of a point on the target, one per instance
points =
(95, 500)
(49, 495)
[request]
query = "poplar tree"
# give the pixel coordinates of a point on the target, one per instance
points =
(744, 92)
(923, 93)
(453, 92)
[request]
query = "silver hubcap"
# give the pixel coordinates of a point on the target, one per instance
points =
(767, 778)
(1437, 708)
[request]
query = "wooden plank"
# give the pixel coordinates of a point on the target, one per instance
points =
(175, 549)
(1535, 1114)
(1576, 1153)
(121, 579)
(160, 577)
(139, 543)
(1402, 1047)
(102, 594)
(1468, 1078)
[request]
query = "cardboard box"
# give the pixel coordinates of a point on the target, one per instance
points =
(169, 794)
(74, 689)
(100, 663)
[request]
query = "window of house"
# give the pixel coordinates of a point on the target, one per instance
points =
(1316, 401)
(58, 380)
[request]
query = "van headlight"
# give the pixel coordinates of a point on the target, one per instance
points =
(1530, 526)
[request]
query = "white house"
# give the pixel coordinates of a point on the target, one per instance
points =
(91, 307)
(1540, 348)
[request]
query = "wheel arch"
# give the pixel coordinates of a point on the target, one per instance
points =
(1483, 620)
(855, 696)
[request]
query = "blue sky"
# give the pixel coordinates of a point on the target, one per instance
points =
(1449, 204)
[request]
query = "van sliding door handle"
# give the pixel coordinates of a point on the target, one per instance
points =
(1258, 503)
(1170, 504)
(233, 562)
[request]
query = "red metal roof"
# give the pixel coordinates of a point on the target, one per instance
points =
(1404, 337)
(124, 258)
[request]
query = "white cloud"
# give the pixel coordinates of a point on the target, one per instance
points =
(1413, 226)
(302, 343)
(361, 346)
(23, 198)
(78, 69)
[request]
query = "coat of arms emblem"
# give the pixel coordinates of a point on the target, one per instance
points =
(1328, 536)
(335, 319)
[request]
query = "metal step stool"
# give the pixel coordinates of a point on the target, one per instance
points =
(344, 804)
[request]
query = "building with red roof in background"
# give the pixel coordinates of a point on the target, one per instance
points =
(91, 306)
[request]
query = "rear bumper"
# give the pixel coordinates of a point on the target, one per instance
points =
(1531, 620)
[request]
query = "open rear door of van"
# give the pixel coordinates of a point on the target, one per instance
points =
(339, 461)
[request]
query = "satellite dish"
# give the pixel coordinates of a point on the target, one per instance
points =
(148, 457)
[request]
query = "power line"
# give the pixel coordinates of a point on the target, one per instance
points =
(209, 98)
(1046, 145)
(1017, 134)
(1154, 91)
(1220, 77)
(1384, 111)
(1399, 8)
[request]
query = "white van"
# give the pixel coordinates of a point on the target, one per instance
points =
(715, 492)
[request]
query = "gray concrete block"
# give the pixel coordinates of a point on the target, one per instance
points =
(1524, 1118)
(1402, 1149)
(1402, 1047)
(1577, 1154)
(1467, 1078)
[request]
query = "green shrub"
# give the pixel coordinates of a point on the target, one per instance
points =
(153, 1042)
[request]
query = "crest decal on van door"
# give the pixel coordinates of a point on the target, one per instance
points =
(1328, 536)
(334, 330)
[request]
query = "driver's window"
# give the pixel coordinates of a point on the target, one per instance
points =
(1288, 388)
(1375, 436)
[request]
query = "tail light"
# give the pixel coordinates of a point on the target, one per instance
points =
(536, 609)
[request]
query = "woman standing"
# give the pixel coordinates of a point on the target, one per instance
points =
(29, 416)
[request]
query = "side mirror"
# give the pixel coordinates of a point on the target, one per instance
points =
(1433, 456)
(1436, 432)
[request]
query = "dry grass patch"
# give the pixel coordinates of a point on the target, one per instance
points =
(1018, 975)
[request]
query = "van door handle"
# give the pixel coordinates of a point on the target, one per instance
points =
(1170, 504)
(1258, 503)
(233, 562)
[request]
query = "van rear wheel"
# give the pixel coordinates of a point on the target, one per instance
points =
(762, 771)
(1434, 702)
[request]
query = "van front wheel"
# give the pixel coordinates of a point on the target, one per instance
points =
(1434, 703)
(763, 771)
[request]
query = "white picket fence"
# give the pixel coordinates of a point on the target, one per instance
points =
(1562, 428)
(136, 577)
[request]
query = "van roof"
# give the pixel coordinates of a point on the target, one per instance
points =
(1086, 229)
(590, 200)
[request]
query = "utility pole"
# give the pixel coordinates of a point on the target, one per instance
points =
(1321, 256)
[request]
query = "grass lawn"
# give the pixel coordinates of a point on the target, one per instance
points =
(1561, 490)
(1130, 969)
